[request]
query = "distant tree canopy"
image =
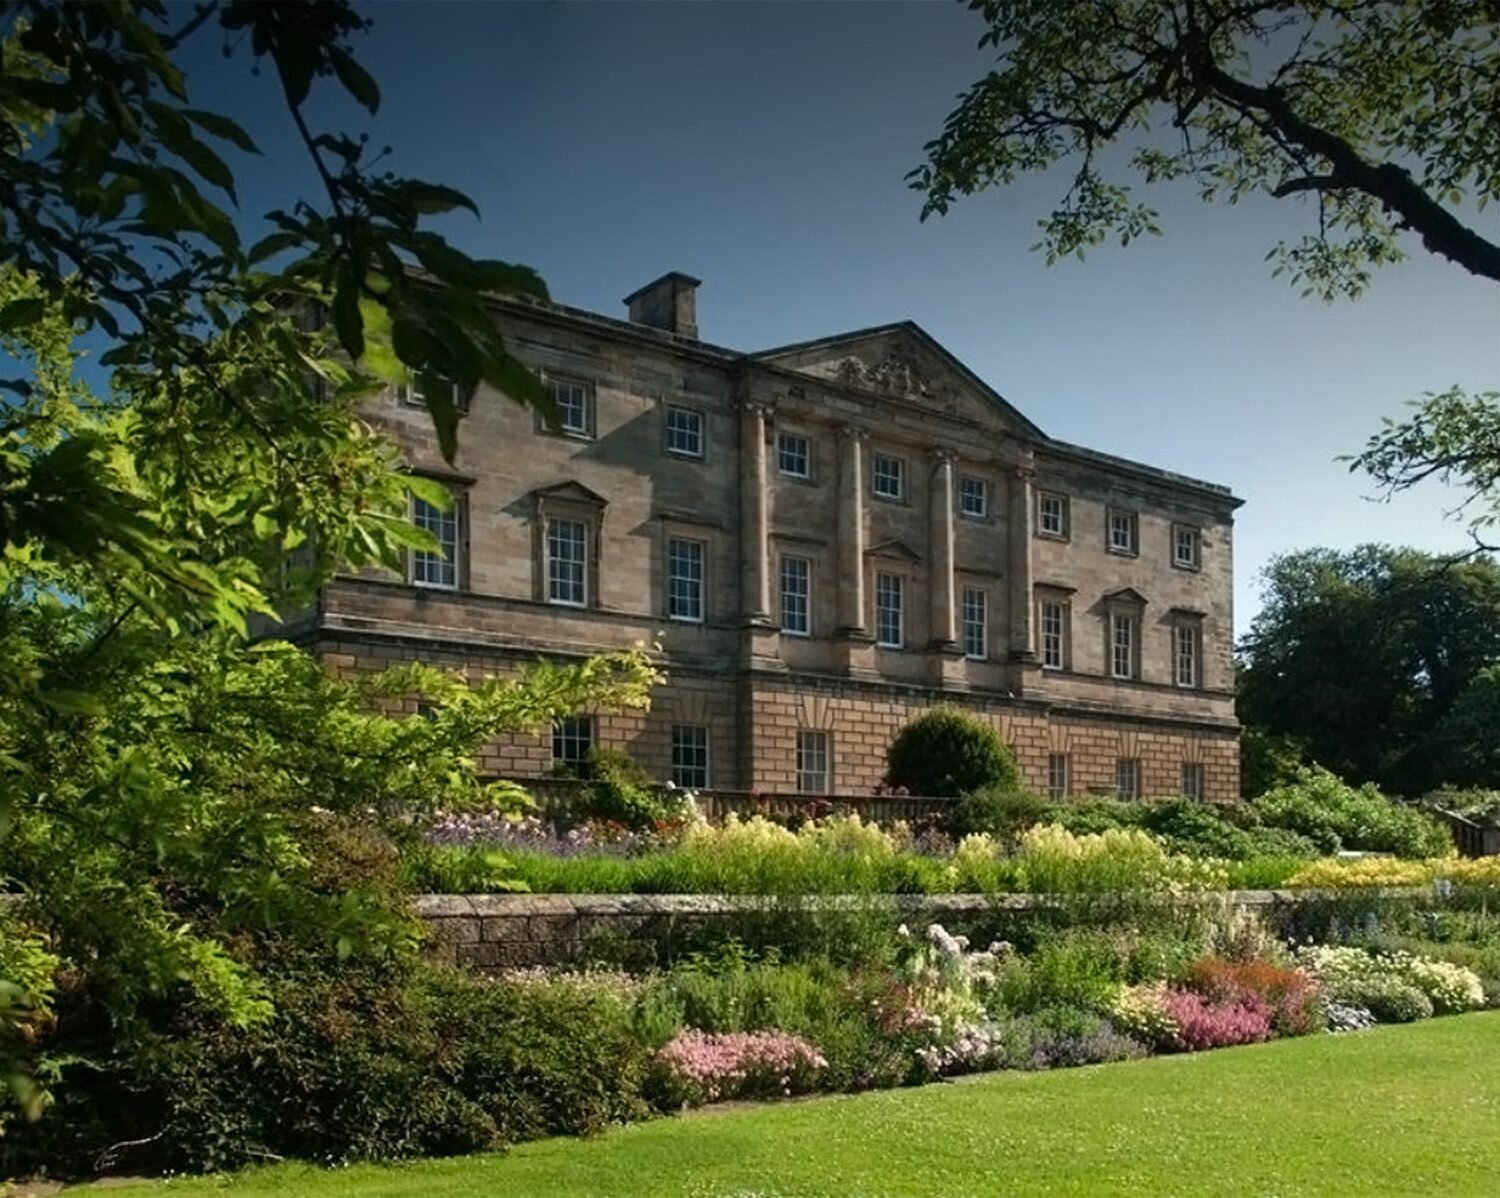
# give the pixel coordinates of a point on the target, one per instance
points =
(1384, 663)
(1385, 114)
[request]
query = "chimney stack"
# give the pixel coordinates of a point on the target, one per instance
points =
(670, 303)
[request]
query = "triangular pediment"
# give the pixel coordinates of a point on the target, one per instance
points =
(902, 361)
(1126, 595)
(570, 492)
(898, 550)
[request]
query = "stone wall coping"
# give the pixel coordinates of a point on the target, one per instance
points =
(439, 906)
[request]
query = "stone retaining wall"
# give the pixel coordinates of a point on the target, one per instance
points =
(508, 931)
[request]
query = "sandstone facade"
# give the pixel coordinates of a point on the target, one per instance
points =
(826, 538)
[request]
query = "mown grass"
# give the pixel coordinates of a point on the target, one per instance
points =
(1397, 1110)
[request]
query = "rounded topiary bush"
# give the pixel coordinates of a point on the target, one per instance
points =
(948, 753)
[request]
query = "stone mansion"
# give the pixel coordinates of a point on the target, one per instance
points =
(826, 538)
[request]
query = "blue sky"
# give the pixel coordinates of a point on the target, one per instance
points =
(762, 148)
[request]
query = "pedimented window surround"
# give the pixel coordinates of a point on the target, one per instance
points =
(571, 503)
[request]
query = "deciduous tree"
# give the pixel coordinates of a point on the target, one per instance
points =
(1383, 114)
(1365, 658)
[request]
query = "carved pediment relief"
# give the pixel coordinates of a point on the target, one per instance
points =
(905, 363)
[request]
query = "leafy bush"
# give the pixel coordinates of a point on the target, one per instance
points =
(541, 1057)
(947, 753)
(360, 1061)
(1388, 999)
(1142, 1013)
(620, 791)
(1288, 996)
(1451, 988)
(1393, 987)
(1073, 970)
(1203, 1024)
(998, 811)
(1336, 816)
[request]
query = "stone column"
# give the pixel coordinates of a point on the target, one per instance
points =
(940, 551)
(755, 573)
(1022, 599)
(851, 532)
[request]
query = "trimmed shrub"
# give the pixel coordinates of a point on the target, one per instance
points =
(947, 753)
(998, 810)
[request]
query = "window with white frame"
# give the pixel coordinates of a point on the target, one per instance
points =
(567, 562)
(1123, 635)
(890, 622)
(571, 402)
(796, 595)
(1052, 515)
(1122, 531)
(812, 762)
(973, 497)
(1186, 642)
(685, 580)
(1059, 780)
(572, 739)
(1187, 547)
(418, 387)
(1192, 780)
(685, 432)
(1054, 630)
(690, 756)
(888, 477)
(1128, 778)
(436, 570)
(793, 455)
(976, 624)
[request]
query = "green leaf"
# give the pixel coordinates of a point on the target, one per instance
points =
(346, 318)
(72, 702)
(221, 127)
(513, 378)
(21, 312)
(356, 80)
(444, 413)
(208, 164)
(433, 198)
(271, 245)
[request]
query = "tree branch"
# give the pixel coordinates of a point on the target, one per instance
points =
(1394, 187)
(1309, 183)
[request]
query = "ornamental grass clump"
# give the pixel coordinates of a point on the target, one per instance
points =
(698, 1067)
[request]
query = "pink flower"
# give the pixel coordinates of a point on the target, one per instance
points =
(1202, 1025)
(712, 1066)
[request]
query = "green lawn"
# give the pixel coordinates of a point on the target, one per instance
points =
(1398, 1110)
